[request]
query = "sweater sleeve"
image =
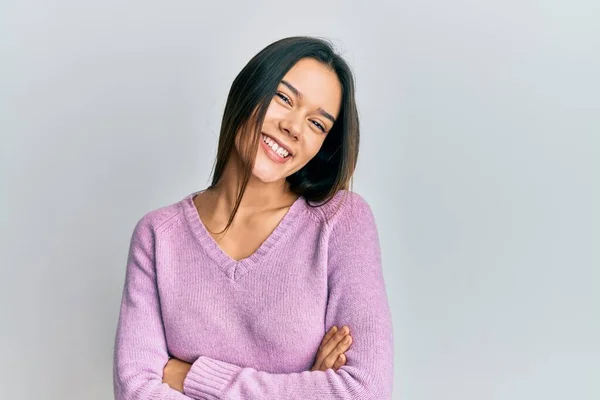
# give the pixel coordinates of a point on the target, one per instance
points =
(357, 298)
(140, 351)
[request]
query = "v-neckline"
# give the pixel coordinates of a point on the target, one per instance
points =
(233, 268)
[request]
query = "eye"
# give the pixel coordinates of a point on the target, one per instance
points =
(284, 98)
(318, 125)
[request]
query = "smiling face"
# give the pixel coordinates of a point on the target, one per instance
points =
(298, 120)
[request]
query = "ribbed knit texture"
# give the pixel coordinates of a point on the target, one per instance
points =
(251, 328)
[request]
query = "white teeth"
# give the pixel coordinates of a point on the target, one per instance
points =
(273, 145)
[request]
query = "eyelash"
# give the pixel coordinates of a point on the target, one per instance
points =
(287, 100)
(284, 98)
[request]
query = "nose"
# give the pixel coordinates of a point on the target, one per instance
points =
(292, 125)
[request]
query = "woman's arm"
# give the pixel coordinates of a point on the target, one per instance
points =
(140, 352)
(357, 298)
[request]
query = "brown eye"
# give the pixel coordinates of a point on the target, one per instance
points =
(318, 125)
(284, 98)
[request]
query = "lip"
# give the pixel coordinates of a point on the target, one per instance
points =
(272, 155)
(279, 144)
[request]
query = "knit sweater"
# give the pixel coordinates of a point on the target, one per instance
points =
(251, 328)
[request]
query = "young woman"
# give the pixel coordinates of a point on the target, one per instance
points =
(236, 291)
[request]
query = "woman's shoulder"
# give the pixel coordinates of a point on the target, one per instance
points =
(161, 217)
(342, 206)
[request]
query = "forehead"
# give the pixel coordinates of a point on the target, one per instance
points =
(319, 85)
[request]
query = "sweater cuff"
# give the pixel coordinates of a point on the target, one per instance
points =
(208, 377)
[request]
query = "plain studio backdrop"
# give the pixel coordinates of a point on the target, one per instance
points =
(480, 146)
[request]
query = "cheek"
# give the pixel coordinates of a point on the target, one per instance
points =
(312, 147)
(274, 113)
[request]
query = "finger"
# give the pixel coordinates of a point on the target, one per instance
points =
(331, 344)
(341, 360)
(331, 359)
(333, 354)
(332, 331)
(341, 333)
(327, 349)
(344, 344)
(340, 349)
(335, 339)
(327, 344)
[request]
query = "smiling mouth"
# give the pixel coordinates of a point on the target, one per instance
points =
(280, 151)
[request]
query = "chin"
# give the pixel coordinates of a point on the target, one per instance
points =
(268, 179)
(267, 174)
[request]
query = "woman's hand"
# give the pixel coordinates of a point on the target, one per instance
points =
(174, 373)
(330, 355)
(332, 349)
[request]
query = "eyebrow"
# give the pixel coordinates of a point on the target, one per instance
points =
(298, 94)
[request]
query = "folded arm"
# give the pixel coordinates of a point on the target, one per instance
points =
(140, 352)
(357, 298)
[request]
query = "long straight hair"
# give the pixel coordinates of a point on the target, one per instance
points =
(332, 168)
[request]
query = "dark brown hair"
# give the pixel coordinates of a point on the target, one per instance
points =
(251, 93)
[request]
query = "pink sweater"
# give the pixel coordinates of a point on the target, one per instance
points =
(251, 328)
